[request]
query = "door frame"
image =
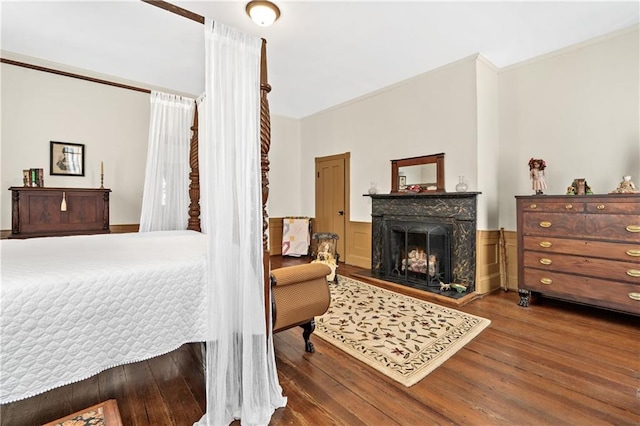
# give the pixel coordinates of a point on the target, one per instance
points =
(347, 195)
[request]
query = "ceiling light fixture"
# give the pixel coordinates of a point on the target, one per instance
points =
(263, 12)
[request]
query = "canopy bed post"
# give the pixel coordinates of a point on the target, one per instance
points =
(265, 139)
(265, 145)
(194, 177)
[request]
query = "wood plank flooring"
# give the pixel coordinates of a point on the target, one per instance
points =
(550, 364)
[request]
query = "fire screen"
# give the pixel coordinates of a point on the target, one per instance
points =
(419, 254)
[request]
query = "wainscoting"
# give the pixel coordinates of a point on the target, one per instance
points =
(275, 236)
(489, 268)
(359, 244)
(488, 261)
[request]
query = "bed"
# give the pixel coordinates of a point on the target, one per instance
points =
(103, 303)
(102, 300)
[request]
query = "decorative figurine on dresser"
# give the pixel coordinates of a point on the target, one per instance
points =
(536, 173)
(45, 212)
(580, 248)
(626, 187)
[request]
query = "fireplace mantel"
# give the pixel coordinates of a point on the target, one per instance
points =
(409, 194)
(458, 209)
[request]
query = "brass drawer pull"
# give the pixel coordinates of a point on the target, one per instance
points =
(633, 273)
(568, 207)
(546, 224)
(546, 281)
(533, 206)
(547, 244)
(633, 228)
(600, 207)
(634, 296)
(546, 261)
(634, 253)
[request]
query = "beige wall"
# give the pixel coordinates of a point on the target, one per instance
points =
(573, 108)
(112, 123)
(579, 110)
(285, 168)
(488, 144)
(431, 113)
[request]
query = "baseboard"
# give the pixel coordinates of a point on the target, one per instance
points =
(123, 229)
(115, 229)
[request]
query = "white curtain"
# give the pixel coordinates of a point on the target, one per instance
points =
(242, 381)
(165, 199)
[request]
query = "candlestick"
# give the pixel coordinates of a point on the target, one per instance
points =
(102, 175)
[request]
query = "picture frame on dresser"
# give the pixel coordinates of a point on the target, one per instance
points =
(66, 158)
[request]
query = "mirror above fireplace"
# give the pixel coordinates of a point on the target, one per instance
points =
(418, 174)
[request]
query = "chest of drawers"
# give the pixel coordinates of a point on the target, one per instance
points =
(584, 249)
(43, 212)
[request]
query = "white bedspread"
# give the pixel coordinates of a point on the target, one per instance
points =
(75, 306)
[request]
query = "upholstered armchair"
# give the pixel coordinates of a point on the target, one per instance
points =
(299, 294)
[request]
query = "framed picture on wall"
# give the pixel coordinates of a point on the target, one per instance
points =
(66, 159)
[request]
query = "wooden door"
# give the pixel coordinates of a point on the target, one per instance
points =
(331, 195)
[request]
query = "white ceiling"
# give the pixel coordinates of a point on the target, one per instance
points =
(320, 53)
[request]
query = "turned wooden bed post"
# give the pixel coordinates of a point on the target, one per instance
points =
(194, 177)
(265, 145)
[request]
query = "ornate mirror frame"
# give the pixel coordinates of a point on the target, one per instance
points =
(396, 169)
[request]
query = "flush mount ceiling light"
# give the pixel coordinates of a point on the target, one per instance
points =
(263, 12)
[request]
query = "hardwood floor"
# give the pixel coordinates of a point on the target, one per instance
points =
(553, 363)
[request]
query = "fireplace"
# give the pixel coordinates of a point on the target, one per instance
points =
(418, 252)
(423, 240)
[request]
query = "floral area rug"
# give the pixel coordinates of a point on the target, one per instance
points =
(402, 337)
(103, 414)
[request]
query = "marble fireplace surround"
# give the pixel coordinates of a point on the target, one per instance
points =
(459, 209)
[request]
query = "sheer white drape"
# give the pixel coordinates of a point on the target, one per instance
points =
(242, 381)
(165, 199)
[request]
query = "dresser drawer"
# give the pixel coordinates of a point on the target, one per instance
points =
(613, 207)
(614, 227)
(604, 293)
(601, 268)
(558, 207)
(618, 251)
(553, 224)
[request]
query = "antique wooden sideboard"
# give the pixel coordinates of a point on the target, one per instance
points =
(582, 248)
(44, 212)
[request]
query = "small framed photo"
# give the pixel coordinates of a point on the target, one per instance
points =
(402, 182)
(66, 159)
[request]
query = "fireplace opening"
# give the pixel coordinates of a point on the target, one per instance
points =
(418, 253)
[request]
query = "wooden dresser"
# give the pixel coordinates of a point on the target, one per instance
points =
(581, 248)
(40, 212)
